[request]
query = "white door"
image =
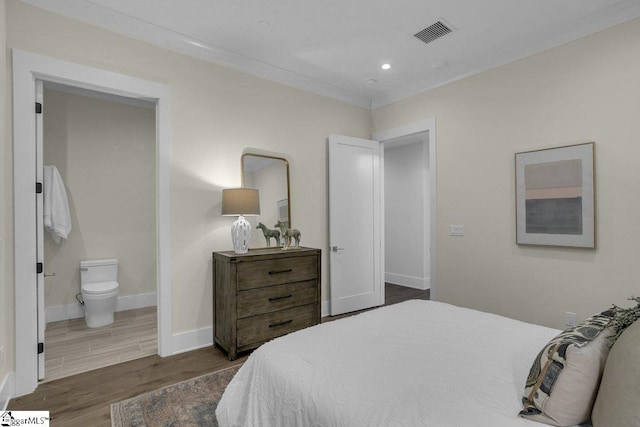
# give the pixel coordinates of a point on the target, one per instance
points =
(42, 323)
(355, 224)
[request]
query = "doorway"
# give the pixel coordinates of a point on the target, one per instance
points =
(103, 149)
(416, 139)
(358, 167)
(27, 68)
(406, 211)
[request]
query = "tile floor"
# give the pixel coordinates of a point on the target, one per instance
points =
(71, 347)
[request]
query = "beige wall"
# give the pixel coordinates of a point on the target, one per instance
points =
(6, 209)
(105, 152)
(588, 90)
(215, 113)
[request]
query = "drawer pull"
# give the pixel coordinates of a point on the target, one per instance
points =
(286, 322)
(279, 298)
(288, 270)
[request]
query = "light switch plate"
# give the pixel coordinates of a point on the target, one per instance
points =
(456, 230)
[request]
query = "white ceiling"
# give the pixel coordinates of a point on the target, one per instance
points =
(332, 47)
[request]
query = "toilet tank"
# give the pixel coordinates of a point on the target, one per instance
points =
(98, 270)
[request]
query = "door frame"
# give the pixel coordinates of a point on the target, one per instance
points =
(27, 68)
(429, 126)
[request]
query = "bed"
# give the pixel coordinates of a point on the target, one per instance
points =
(417, 363)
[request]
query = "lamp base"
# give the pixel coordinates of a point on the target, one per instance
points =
(240, 235)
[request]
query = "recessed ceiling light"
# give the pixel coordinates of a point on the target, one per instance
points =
(385, 66)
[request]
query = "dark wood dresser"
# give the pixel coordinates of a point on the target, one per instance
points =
(263, 294)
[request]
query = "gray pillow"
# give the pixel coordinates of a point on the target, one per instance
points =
(618, 401)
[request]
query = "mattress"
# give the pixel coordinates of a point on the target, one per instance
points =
(417, 363)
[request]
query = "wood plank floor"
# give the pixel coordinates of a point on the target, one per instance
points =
(85, 399)
(72, 347)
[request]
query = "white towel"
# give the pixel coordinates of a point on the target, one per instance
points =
(57, 216)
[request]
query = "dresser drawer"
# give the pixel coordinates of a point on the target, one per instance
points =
(267, 326)
(276, 271)
(274, 298)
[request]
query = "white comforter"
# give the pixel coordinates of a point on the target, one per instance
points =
(418, 363)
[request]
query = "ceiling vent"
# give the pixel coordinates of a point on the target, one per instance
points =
(433, 32)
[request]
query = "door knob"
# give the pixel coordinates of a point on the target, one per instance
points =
(336, 249)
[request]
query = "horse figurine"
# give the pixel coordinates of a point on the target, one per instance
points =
(288, 234)
(268, 234)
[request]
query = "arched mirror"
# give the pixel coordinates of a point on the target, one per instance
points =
(270, 176)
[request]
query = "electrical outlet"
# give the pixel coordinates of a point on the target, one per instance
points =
(570, 319)
(456, 230)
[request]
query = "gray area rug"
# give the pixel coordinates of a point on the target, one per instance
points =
(189, 403)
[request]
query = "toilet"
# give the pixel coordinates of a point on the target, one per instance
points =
(99, 288)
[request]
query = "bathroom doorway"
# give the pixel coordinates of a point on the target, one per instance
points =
(103, 147)
(27, 68)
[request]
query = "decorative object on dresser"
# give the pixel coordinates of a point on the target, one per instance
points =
(262, 295)
(268, 234)
(288, 234)
(240, 202)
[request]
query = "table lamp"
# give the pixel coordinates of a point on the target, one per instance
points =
(240, 202)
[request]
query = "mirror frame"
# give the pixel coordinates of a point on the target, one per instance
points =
(286, 166)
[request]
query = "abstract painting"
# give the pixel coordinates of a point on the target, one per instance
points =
(555, 197)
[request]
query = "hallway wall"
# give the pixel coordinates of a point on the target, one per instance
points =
(404, 192)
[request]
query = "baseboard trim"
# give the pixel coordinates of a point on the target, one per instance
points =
(57, 313)
(192, 340)
(132, 302)
(422, 283)
(7, 390)
(325, 308)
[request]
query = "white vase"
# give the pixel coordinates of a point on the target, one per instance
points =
(240, 235)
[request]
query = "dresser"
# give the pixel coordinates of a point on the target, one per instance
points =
(263, 294)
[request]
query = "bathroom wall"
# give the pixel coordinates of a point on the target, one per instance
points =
(105, 152)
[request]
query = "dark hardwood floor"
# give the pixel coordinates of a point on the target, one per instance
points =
(392, 294)
(85, 399)
(396, 293)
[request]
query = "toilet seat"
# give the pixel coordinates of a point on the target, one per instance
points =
(99, 288)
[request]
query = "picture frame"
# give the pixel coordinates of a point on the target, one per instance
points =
(556, 196)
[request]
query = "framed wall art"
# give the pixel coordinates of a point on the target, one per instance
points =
(556, 197)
